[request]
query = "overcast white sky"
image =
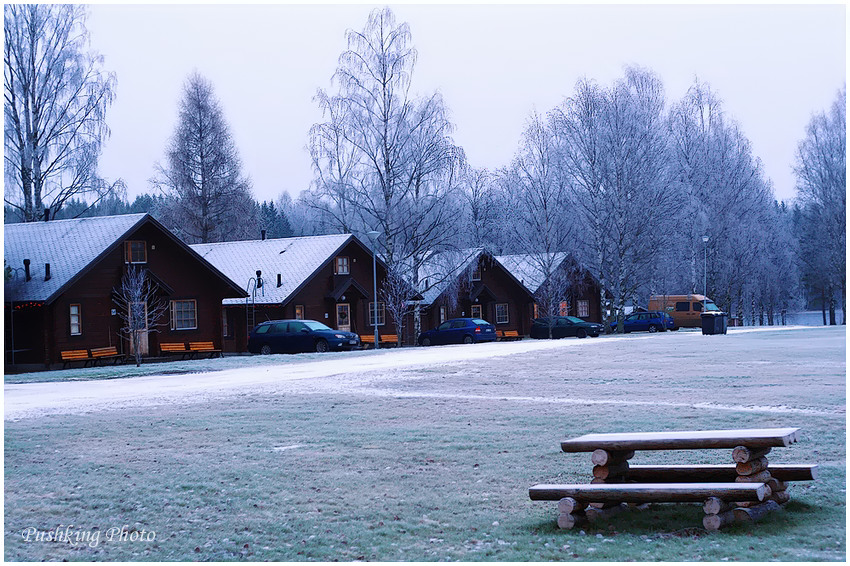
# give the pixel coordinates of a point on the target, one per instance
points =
(772, 65)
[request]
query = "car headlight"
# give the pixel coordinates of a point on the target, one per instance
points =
(339, 336)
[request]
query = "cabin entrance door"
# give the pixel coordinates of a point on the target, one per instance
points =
(343, 317)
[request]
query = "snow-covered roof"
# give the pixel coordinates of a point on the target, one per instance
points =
(442, 269)
(526, 268)
(296, 259)
(69, 246)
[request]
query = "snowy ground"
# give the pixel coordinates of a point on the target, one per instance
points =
(384, 372)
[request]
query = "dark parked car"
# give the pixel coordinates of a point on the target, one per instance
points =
(459, 331)
(565, 326)
(652, 321)
(293, 336)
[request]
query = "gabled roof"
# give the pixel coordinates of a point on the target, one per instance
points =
(526, 268)
(443, 269)
(296, 259)
(71, 247)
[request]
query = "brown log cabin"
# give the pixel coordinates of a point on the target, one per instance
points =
(323, 278)
(62, 277)
(582, 298)
(471, 283)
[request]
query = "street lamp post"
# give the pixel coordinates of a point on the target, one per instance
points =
(704, 271)
(373, 235)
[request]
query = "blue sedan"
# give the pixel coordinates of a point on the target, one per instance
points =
(652, 321)
(459, 331)
(293, 336)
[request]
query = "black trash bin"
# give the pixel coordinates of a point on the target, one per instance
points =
(714, 322)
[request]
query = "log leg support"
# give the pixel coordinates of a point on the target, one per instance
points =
(570, 520)
(595, 514)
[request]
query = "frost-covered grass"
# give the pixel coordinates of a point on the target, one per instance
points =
(174, 367)
(434, 463)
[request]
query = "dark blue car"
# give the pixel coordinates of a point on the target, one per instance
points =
(293, 336)
(459, 331)
(652, 321)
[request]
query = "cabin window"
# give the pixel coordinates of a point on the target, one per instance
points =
(535, 311)
(697, 307)
(442, 315)
(135, 251)
(299, 312)
(76, 320)
(683, 306)
(184, 315)
(476, 273)
(563, 308)
(225, 328)
(583, 308)
(475, 311)
(381, 314)
(501, 313)
(342, 265)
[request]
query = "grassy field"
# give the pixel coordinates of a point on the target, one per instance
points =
(435, 463)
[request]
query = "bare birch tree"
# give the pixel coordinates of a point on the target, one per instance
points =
(821, 171)
(382, 154)
(209, 199)
(56, 94)
(541, 210)
(140, 308)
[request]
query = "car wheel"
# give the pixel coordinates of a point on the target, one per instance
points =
(425, 342)
(467, 339)
(266, 350)
(581, 333)
(653, 328)
(321, 346)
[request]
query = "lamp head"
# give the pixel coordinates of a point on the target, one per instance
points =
(705, 239)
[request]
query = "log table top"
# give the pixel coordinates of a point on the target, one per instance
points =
(682, 440)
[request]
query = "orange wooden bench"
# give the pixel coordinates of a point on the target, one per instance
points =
(69, 356)
(173, 348)
(203, 348)
(106, 353)
(508, 335)
(383, 339)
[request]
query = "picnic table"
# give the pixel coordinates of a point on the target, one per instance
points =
(742, 491)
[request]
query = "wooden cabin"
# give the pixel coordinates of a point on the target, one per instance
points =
(62, 278)
(471, 283)
(582, 297)
(323, 278)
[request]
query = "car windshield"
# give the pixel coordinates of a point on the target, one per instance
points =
(710, 306)
(574, 320)
(313, 325)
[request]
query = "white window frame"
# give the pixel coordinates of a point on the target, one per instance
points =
(299, 312)
(79, 318)
(583, 309)
(480, 310)
(563, 308)
(443, 316)
(382, 314)
(476, 274)
(174, 304)
(506, 320)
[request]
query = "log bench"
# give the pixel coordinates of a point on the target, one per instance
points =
(106, 353)
(508, 335)
(196, 348)
(69, 356)
(744, 491)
